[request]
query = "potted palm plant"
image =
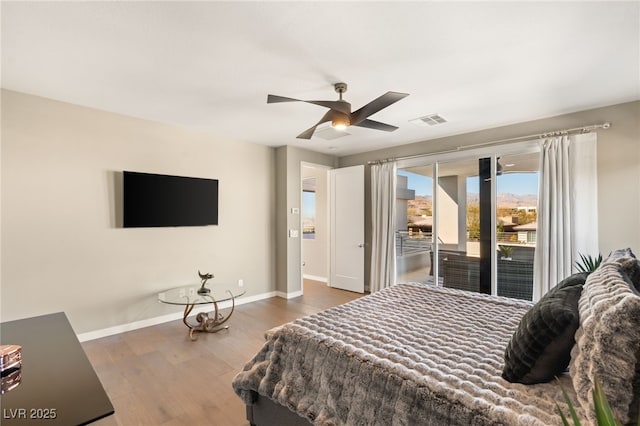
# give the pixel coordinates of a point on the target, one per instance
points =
(588, 263)
(505, 252)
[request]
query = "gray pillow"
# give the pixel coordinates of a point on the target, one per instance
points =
(630, 268)
(618, 254)
(608, 340)
(540, 348)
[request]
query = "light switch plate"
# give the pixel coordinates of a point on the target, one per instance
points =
(293, 233)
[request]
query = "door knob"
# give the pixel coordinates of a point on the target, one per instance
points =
(360, 245)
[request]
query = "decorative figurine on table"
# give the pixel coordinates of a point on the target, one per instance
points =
(204, 277)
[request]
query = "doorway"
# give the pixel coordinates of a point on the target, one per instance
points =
(314, 219)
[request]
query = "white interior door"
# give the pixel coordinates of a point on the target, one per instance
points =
(347, 228)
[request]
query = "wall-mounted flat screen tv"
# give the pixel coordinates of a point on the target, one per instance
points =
(152, 200)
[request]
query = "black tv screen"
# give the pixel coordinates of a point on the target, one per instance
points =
(152, 200)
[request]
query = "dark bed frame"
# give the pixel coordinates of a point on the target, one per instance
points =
(265, 412)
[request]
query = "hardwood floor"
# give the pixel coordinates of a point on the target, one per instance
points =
(158, 376)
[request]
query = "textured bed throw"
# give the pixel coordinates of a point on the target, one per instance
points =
(407, 355)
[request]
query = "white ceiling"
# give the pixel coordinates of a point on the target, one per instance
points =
(210, 65)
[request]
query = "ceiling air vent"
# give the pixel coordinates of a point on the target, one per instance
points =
(429, 120)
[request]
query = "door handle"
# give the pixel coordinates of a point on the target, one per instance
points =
(361, 245)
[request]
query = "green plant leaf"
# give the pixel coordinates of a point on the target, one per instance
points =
(602, 408)
(565, 422)
(564, 419)
(572, 411)
(588, 263)
(604, 414)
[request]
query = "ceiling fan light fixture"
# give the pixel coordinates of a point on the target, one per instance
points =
(340, 123)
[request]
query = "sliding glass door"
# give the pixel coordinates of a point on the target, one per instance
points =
(458, 226)
(516, 215)
(414, 223)
(468, 221)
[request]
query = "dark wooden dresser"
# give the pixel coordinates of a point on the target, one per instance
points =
(58, 384)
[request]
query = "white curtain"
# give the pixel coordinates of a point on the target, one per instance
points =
(567, 208)
(383, 248)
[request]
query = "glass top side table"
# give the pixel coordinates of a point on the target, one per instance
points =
(187, 296)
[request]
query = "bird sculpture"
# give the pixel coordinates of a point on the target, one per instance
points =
(204, 277)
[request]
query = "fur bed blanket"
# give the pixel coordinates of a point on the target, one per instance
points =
(410, 354)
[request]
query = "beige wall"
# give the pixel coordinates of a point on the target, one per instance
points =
(289, 191)
(61, 248)
(618, 167)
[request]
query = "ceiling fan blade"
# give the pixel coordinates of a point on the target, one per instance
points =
(272, 99)
(309, 132)
(341, 106)
(376, 105)
(376, 125)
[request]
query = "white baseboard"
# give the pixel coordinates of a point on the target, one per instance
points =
(289, 295)
(110, 331)
(316, 278)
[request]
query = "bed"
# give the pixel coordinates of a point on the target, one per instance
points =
(409, 354)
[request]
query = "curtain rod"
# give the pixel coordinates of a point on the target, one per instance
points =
(583, 129)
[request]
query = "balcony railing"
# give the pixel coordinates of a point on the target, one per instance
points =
(528, 237)
(415, 242)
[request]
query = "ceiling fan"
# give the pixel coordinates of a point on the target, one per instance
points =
(340, 114)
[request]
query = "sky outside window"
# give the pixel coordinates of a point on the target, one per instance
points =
(308, 215)
(513, 183)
